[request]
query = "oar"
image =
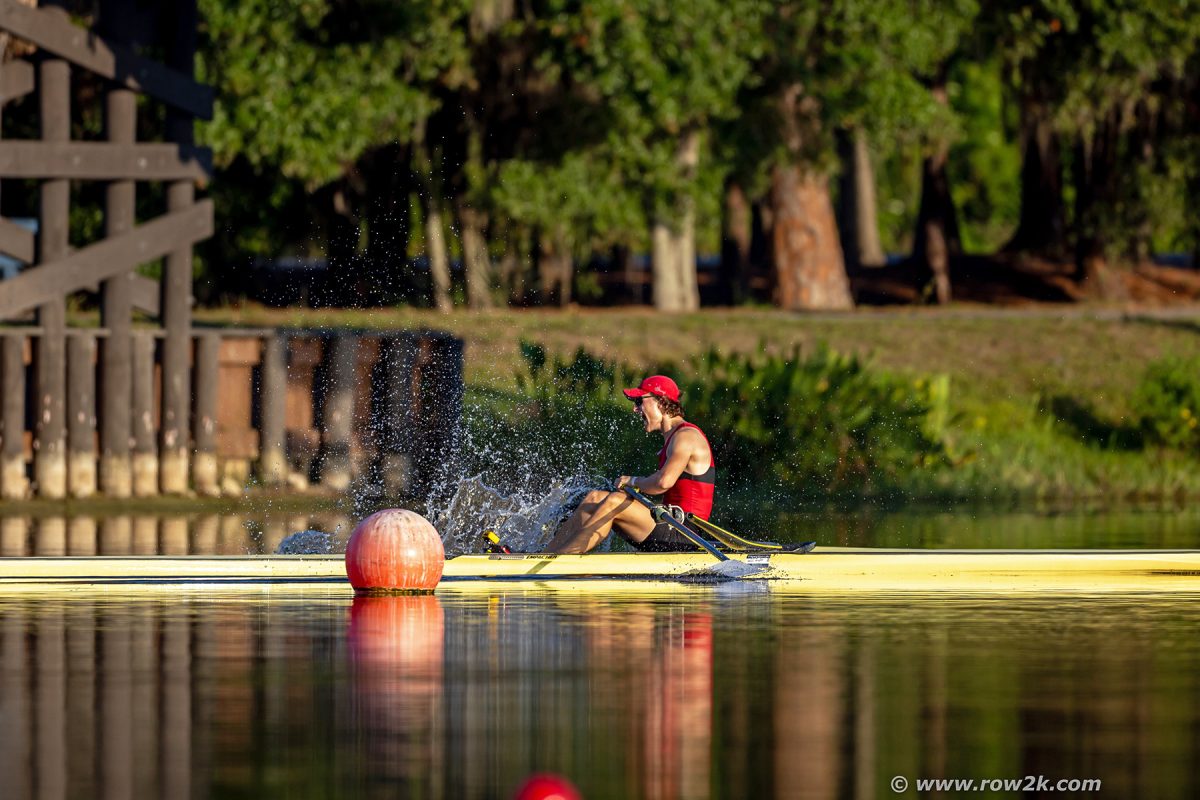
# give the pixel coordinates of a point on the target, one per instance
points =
(734, 541)
(726, 566)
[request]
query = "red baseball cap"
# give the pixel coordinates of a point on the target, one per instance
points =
(657, 385)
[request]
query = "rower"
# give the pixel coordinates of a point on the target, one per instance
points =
(686, 479)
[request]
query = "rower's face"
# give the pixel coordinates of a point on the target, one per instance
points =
(647, 408)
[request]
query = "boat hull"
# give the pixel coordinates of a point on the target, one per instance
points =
(829, 569)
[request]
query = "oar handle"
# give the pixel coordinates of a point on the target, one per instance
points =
(662, 515)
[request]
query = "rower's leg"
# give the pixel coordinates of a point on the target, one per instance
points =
(593, 521)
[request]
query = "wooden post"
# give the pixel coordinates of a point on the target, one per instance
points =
(116, 535)
(14, 484)
(116, 294)
(177, 276)
(337, 418)
(441, 409)
(272, 399)
(49, 456)
(206, 381)
(81, 536)
(81, 414)
(396, 422)
(145, 451)
(14, 537)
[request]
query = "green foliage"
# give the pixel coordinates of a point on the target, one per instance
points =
(306, 88)
(574, 415)
(1168, 401)
(823, 421)
(986, 158)
(566, 118)
(803, 424)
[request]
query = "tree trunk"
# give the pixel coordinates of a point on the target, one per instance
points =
(674, 240)
(1095, 166)
(435, 252)
(809, 269)
(937, 237)
(665, 288)
(477, 264)
(512, 272)
(435, 231)
(735, 245)
(555, 268)
(859, 214)
(1043, 222)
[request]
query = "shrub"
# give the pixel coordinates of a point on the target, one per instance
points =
(824, 422)
(1167, 401)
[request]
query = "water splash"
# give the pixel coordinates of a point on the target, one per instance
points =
(526, 521)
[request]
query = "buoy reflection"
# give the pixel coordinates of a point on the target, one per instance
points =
(396, 650)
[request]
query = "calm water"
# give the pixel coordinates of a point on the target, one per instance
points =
(234, 534)
(669, 691)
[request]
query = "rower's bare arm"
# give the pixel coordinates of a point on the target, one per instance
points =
(679, 452)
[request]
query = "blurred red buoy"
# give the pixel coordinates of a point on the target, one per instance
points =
(394, 550)
(547, 787)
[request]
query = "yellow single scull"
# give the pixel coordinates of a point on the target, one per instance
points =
(827, 569)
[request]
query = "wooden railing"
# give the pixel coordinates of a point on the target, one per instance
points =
(369, 412)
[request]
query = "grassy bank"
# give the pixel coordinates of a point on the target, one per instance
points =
(1037, 405)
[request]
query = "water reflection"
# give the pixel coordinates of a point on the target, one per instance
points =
(165, 535)
(693, 693)
(255, 533)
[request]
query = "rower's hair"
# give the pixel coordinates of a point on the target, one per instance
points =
(668, 407)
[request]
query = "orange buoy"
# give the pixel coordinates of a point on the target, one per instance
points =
(394, 551)
(547, 786)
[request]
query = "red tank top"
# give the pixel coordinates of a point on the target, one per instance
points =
(692, 493)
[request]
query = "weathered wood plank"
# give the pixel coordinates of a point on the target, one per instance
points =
(49, 355)
(104, 161)
(81, 414)
(176, 302)
(105, 259)
(337, 418)
(53, 31)
(116, 309)
(143, 292)
(272, 405)
(16, 241)
(180, 39)
(145, 447)
(14, 483)
(206, 383)
(16, 80)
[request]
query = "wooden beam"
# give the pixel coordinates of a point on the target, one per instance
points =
(49, 352)
(144, 293)
(106, 258)
(16, 241)
(54, 32)
(102, 161)
(272, 413)
(16, 80)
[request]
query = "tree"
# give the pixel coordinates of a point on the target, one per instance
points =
(1107, 77)
(305, 91)
(662, 74)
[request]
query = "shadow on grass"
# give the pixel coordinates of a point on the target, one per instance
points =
(1181, 324)
(1091, 429)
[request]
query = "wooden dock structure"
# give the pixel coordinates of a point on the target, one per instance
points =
(124, 410)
